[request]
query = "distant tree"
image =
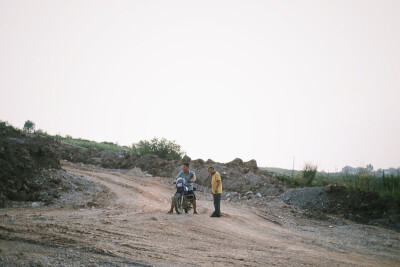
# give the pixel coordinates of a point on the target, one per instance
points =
(309, 172)
(370, 168)
(29, 126)
(161, 147)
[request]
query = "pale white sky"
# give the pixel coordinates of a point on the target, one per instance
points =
(269, 80)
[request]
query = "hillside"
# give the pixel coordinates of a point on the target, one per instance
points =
(63, 204)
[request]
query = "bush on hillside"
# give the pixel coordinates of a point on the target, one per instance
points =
(309, 173)
(161, 147)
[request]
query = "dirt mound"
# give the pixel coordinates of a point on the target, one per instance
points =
(157, 166)
(78, 154)
(111, 159)
(238, 176)
(365, 207)
(22, 159)
(117, 159)
(307, 198)
(360, 206)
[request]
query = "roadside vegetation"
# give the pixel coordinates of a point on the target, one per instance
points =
(161, 147)
(387, 185)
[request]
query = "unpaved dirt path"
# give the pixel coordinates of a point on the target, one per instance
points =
(131, 227)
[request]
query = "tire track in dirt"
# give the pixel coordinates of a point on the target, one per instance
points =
(250, 223)
(134, 226)
(129, 190)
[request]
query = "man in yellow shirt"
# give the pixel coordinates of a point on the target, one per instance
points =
(216, 187)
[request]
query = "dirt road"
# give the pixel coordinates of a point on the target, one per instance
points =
(128, 225)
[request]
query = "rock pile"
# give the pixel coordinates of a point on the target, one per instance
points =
(111, 159)
(22, 161)
(237, 176)
(360, 206)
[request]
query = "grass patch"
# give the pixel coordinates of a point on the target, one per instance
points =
(101, 146)
(386, 186)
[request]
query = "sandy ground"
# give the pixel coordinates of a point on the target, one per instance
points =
(130, 227)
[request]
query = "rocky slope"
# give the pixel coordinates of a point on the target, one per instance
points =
(28, 167)
(356, 205)
(237, 175)
(30, 171)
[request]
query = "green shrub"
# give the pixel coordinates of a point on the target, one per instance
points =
(161, 147)
(6, 127)
(41, 132)
(309, 172)
(391, 183)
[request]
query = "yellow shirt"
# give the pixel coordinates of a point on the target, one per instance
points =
(216, 177)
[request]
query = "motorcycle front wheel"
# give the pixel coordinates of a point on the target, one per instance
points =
(178, 203)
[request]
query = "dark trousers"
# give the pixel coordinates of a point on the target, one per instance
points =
(217, 204)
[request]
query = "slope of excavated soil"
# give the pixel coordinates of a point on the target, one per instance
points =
(124, 223)
(360, 206)
(29, 167)
(239, 176)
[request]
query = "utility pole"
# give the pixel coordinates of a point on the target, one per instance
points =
(293, 168)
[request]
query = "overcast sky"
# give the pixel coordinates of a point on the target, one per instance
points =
(269, 80)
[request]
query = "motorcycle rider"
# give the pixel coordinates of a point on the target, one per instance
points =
(190, 178)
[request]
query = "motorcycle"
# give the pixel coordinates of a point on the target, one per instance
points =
(183, 201)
